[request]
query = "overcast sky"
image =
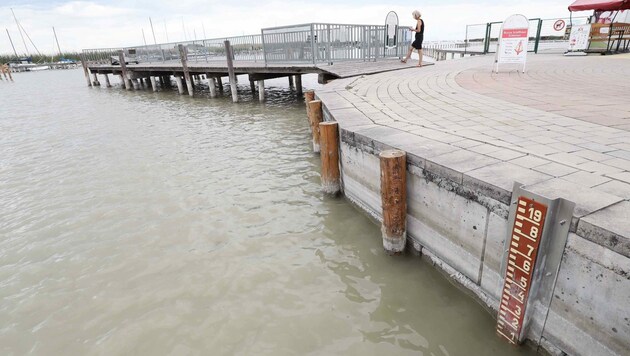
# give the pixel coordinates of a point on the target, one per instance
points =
(97, 23)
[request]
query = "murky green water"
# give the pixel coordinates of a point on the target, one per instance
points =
(156, 224)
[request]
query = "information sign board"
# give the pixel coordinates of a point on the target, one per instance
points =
(579, 37)
(512, 45)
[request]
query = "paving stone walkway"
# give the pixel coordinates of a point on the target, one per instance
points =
(562, 128)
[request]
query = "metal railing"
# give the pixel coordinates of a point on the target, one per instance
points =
(329, 43)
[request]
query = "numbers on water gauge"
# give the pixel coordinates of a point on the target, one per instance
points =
(535, 214)
(533, 232)
(527, 266)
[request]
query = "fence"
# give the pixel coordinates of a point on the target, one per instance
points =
(329, 43)
(544, 35)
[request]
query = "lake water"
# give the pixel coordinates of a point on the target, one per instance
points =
(157, 224)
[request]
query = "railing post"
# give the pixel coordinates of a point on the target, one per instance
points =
(328, 44)
(313, 42)
(262, 39)
(538, 36)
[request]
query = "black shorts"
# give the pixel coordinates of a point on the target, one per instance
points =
(417, 44)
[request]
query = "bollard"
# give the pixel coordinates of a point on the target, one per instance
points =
(329, 144)
(394, 200)
(315, 117)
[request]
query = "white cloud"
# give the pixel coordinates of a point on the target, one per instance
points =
(89, 24)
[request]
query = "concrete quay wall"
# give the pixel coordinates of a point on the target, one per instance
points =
(458, 217)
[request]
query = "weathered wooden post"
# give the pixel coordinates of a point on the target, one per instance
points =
(107, 83)
(315, 117)
(123, 68)
(85, 70)
(329, 142)
(153, 83)
(394, 200)
(183, 55)
(298, 84)
(308, 97)
(180, 85)
(261, 90)
(211, 86)
(232, 75)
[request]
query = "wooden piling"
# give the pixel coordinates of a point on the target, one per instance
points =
(212, 86)
(329, 142)
(315, 117)
(85, 70)
(298, 84)
(394, 200)
(183, 55)
(261, 90)
(232, 75)
(308, 97)
(123, 68)
(180, 85)
(153, 83)
(107, 83)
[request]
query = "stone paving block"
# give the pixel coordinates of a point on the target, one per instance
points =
(567, 158)
(497, 180)
(622, 176)
(586, 178)
(555, 169)
(618, 163)
(529, 161)
(598, 167)
(620, 154)
(592, 155)
(609, 227)
(350, 117)
(538, 149)
(505, 154)
(418, 145)
(616, 187)
(597, 147)
(452, 165)
(587, 200)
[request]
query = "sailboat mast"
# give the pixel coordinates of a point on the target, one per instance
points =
(152, 31)
(57, 41)
(12, 46)
(20, 31)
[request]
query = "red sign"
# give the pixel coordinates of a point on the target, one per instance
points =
(559, 25)
(514, 33)
(528, 226)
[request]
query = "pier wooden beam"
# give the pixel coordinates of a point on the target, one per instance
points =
(123, 68)
(107, 83)
(86, 71)
(315, 117)
(232, 75)
(329, 142)
(261, 90)
(183, 55)
(394, 200)
(298, 84)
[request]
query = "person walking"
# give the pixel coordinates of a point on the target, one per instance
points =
(417, 44)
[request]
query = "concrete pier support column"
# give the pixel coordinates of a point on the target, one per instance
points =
(261, 90)
(180, 85)
(315, 117)
(183, 55)
(162, 81)
(290, 81)
(298, 84)
(96, 83)
(107, 83)
(153, 84)
(232, 75)
(220, 84)
(86, 71)
(329, 143)
(394, 200)
(252, 86)
(136, 84)
(212, 86)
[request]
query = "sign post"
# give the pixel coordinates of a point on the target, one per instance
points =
(512, 45)
(533, 250)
